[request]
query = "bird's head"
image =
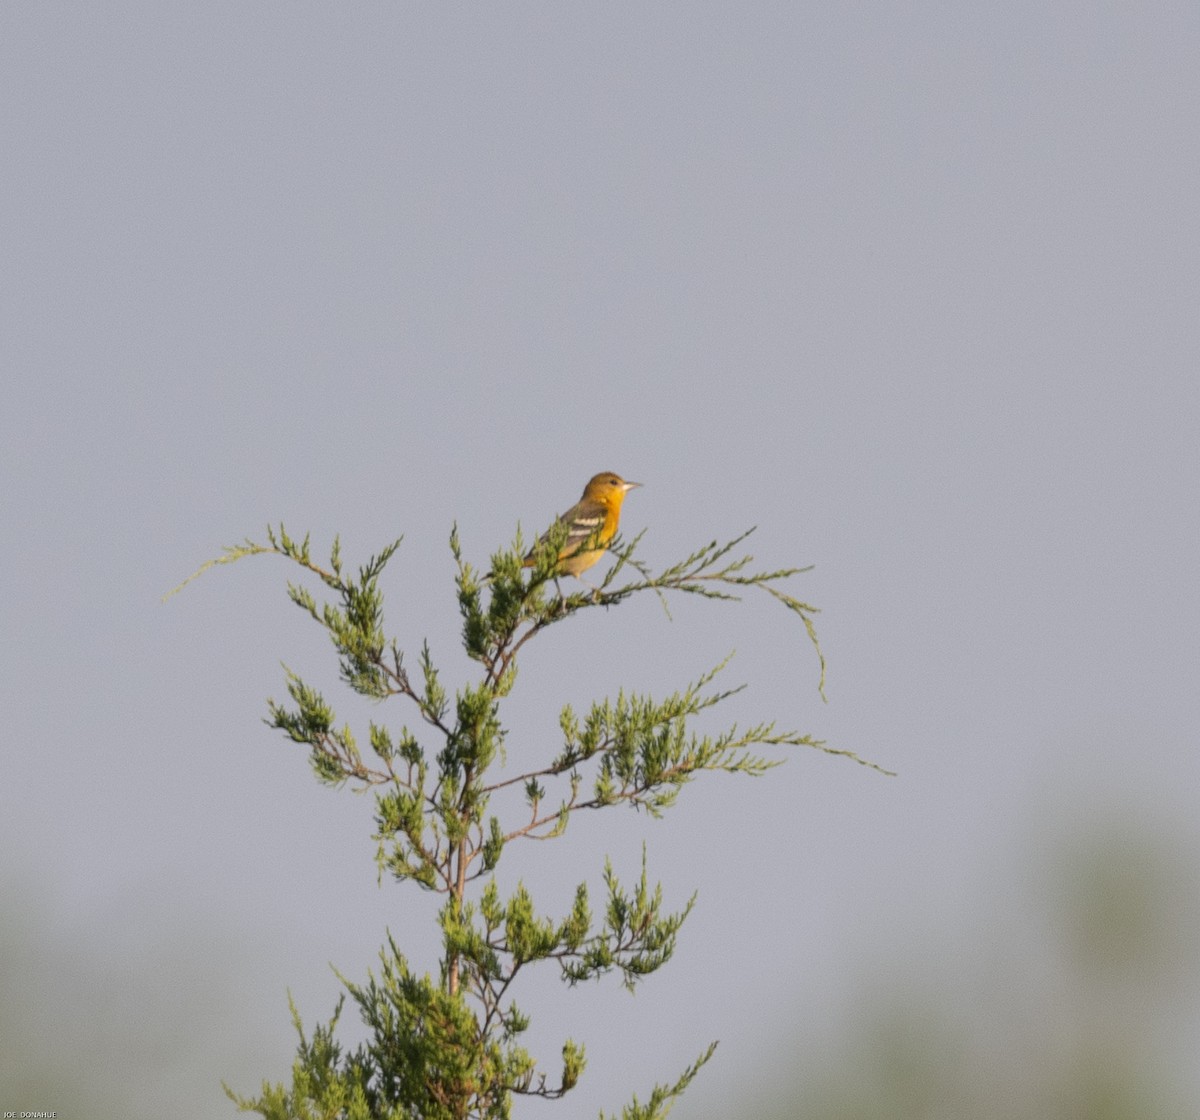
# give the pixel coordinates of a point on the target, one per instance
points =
(608, 488)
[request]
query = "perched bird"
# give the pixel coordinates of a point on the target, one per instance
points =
(591, 525)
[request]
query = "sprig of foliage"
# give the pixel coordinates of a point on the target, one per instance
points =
(519, 610)
(449, 1047)
(663, 1096)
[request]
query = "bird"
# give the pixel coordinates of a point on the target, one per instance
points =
(591, 524)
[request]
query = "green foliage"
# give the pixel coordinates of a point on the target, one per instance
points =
(663, 1096)
(324, 1087)
(448, 1047)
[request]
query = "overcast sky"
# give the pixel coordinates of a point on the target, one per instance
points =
(912, 288)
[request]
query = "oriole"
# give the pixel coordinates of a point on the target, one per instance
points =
(591, 525)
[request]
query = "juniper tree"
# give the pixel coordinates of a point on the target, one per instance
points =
(447, 1046)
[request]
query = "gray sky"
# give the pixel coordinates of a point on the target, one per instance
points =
(912, 288)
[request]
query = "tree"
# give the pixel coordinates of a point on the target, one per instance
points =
(448, 1047)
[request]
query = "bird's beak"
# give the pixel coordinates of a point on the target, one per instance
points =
(631, 485)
